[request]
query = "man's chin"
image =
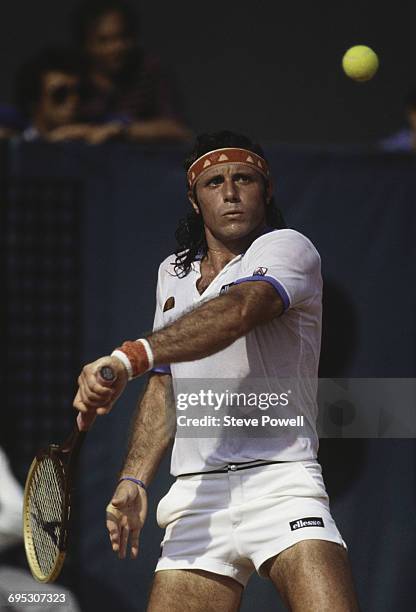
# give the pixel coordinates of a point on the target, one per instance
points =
(236, 230)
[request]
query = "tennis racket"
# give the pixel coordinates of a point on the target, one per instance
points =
(48, 497)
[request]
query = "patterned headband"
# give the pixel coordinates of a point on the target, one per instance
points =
(227, 156)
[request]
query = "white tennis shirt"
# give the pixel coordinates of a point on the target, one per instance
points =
(282, 355)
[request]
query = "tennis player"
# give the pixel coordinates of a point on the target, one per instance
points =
(240, 300)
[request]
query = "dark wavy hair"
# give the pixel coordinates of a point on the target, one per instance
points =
(190, 234)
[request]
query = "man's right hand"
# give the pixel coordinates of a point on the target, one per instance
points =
(95, 394)
(126, 514)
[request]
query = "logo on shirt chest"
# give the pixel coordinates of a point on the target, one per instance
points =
(169, 304)
(260, 271)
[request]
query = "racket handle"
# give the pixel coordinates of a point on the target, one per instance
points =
(107, 377)
(85, 420)
(107, 374)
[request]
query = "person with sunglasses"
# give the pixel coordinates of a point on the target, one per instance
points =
(237, 315)
(48, 96)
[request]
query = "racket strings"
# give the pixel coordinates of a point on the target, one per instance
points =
(47, 512)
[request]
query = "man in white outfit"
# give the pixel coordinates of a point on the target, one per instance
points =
(238, 308)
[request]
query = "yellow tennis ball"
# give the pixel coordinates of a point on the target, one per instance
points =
(360, 63)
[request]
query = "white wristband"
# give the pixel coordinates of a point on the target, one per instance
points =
(148, 350)
(125, 361)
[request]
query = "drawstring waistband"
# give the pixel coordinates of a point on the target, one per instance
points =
(233, 467)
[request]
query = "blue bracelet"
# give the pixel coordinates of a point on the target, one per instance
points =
(135, 480)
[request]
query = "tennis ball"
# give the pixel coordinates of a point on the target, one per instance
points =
(360, 63)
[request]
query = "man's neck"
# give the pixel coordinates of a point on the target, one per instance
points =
(219, 254)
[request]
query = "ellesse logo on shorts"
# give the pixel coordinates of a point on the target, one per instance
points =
(309, 521)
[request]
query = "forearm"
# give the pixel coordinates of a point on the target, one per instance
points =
(151, 432)
(208, 329)
(205, 331)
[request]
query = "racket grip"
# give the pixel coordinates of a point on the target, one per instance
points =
(107, 374)
(85, 420)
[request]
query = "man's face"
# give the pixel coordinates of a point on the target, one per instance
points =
(59, 101)
(108, 44)
(231, 198)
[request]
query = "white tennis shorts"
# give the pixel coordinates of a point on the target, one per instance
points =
(231, 523)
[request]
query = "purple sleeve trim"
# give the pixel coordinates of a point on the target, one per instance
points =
(162, 369)
(269, 279)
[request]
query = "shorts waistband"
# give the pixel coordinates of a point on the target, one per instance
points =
(233, 467)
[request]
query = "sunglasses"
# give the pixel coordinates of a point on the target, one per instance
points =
(59, 95)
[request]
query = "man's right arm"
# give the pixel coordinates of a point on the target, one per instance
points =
(151, 434)
(152, 429)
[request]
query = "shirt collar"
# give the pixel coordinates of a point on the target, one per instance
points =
(266, 230)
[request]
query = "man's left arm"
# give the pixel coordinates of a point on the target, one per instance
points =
(217, 323)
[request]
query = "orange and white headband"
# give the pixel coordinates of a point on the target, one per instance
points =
(227, 156)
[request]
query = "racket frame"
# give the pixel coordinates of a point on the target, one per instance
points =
(65, 456)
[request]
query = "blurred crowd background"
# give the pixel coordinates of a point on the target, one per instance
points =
(99, 102)
(104, 86)
(150, 71)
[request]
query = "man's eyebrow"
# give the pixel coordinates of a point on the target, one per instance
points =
(212, 176)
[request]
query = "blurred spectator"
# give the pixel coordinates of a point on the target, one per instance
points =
(122, 82)
(47, 94)
(48, 97)
(405, 139)
(11, 501)
(14, 579)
